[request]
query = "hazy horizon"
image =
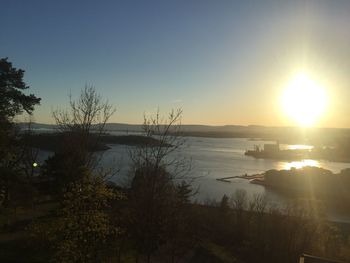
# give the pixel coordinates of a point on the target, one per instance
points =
(209, 125)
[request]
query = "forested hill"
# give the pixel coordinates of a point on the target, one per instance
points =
(293, 135)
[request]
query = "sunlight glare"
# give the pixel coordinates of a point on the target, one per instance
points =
(299, 147)
(300, 164)
(304, 100)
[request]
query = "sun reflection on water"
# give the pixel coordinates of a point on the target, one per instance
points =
(296, 147)
(299, 147)
(300, 164)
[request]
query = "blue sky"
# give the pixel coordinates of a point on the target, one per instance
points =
(223, 62)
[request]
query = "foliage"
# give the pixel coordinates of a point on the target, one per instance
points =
(78, 231)
(273, 234)
(12, 99)
(82, 224)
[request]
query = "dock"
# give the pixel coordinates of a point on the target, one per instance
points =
(245, 176)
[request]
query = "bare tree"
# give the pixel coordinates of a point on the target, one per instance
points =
(83, 123)
(166, 151)
(82, 222)
(160, 188)
(86, 114)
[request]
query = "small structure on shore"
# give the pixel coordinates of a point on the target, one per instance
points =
(244, 176)
(273, 151)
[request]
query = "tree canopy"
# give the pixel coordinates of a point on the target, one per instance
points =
(12, 99)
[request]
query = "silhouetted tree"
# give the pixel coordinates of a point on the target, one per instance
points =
(13, 101)
(181, 236)
(159, 190)
(83, 222)
(81, 126)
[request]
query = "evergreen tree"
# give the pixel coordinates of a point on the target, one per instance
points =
(13, 101)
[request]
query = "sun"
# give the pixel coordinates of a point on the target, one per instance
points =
(303, 100)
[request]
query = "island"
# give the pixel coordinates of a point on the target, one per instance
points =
(308, 183)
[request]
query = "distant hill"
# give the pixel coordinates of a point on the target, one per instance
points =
(139, 127)
(293, 135)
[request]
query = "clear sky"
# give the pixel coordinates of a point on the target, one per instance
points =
(223, 62)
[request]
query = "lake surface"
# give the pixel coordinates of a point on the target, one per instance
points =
(213, 158)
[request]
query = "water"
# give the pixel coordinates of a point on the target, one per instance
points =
(214, 158)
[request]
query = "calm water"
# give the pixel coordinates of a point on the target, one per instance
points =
(213, 158)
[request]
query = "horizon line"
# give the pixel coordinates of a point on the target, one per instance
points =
(213, 125)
